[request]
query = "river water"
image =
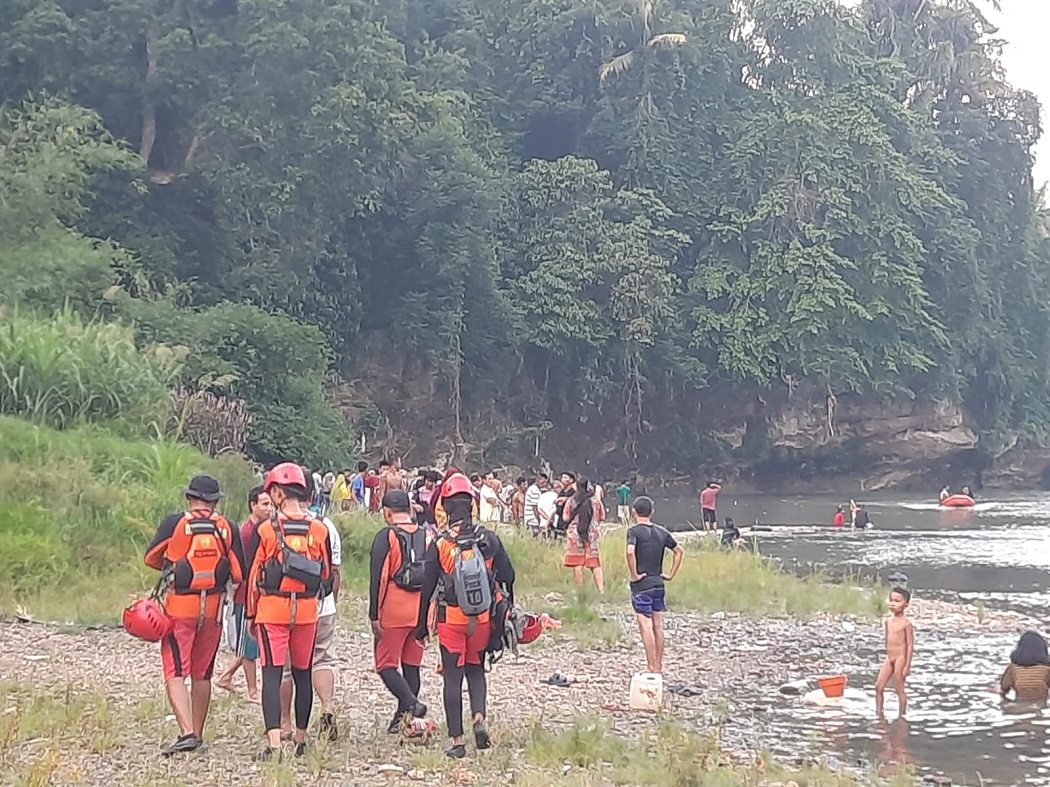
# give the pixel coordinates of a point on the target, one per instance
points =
(997, 553)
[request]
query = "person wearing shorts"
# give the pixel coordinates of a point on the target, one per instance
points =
(646, 544)
(708, 501)
(324, 651)
(393, 610)
(242, 643)
(284, 608)
(190, 649)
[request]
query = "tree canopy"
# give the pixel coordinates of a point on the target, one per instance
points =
(482, 221)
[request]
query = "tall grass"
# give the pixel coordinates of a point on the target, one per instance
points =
(78, 506)
(61, 371)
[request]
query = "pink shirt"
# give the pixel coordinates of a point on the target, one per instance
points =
(708, 496)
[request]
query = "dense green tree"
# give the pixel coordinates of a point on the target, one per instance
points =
(549, 211)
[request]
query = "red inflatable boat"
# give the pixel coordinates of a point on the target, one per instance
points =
(957, 501)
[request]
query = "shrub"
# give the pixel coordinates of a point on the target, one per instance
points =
(213, 424)
(60, 370)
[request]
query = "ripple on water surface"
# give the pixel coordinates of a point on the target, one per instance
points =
(998, 554)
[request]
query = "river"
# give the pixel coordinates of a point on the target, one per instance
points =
(996, 554)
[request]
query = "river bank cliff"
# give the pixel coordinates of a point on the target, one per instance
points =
(760, 440)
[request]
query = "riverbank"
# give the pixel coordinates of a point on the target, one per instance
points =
(71, 715)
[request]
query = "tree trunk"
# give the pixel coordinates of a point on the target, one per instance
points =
(149, 113)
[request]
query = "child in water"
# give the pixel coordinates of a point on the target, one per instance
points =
(1029, 672)
(900, 642)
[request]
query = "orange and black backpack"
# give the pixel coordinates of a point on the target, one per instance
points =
(199, 555)
(292, 572)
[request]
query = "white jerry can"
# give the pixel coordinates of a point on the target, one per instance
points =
(647, 691)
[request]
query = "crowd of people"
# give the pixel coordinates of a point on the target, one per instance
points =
(437, 569)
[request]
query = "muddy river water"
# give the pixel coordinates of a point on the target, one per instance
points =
(997, 554)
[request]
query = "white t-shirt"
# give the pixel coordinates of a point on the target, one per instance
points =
(327, 606)
(489, 509)
(532, 497)
(546, 505)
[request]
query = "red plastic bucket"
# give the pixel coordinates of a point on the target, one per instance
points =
(833, 686)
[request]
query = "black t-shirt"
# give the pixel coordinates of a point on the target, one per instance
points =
(861, 519)
(650, 541)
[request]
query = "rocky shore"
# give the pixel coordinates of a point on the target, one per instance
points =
(728, 670)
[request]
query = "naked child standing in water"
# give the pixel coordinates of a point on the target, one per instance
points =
(900, 643)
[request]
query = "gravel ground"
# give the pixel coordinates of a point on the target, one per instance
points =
(87, 707)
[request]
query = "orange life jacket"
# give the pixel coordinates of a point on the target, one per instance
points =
(449, 610)
(198, 558)
(290, 570)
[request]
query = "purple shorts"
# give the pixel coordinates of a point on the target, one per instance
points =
(649, 601)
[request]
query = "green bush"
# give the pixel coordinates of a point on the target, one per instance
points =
(78, 506)
(61, 370)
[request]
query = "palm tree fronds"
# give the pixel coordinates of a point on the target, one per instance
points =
(668, 39)
(615, 66)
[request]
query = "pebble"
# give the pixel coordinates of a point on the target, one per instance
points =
(795, 687)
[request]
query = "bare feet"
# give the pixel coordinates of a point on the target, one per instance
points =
(225, 682)
(254, 698)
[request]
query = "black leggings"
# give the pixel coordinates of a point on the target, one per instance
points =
(404, 687)
(271, 697)
(477, 689)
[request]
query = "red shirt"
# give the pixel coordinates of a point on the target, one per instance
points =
(708, 496)
(373, 482)
(840, 519)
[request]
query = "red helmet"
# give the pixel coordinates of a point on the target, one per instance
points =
(457, 484)
(530, 627)
(146, 620)
(285, 474)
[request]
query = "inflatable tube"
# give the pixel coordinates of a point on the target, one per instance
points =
(957, 501)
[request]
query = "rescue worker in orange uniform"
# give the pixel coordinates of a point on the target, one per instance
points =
(463, 638)
(396, 576)
(290, 558)
(200, 556)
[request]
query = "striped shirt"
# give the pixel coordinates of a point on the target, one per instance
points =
(532, 499)
(1030, 683)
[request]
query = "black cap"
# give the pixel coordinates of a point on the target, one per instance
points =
(397, 500)
(203, 487)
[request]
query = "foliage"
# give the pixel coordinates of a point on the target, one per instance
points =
(79, 505)
(61, 371)
(558, 212)
(213, 424)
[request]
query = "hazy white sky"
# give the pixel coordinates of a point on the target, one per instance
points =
(1025, 25)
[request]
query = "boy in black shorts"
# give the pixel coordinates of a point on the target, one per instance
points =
(646, 544)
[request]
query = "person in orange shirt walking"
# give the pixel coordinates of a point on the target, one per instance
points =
(473, 569)
(290, 558)
(397, 571)
(200, 556)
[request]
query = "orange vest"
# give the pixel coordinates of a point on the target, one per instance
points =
(448, 549)
(199, 559)
(273, 598)
(398, 607)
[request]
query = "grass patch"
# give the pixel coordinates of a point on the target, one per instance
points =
(591, 753)
(77, 508)
(711, 579)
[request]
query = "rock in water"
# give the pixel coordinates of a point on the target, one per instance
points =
(795, 688)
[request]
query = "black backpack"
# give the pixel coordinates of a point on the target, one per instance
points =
(409, 575)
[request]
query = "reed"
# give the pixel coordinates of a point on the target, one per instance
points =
(61, 371)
